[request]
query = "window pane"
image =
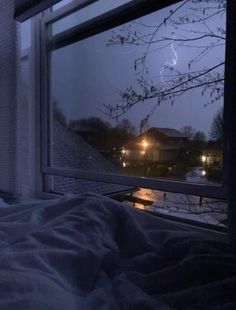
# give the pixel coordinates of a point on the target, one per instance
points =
(64, 185)
(93, 10)
(25, 35)
(145, 98)
(188, 207)
(199, 209)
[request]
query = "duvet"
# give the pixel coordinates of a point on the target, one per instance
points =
(91, 252)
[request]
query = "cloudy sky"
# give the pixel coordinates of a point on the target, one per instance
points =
(88, 74)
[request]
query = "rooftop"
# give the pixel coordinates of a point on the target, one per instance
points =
(169, 132)
(71, 151)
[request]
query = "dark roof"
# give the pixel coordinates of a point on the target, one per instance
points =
(160, 134)
(71, 151)
(169, 132)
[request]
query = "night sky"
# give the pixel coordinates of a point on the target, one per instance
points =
(88, 74)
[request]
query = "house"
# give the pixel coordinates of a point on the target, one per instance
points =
(156, 144)
(212, 154)
(212, 157)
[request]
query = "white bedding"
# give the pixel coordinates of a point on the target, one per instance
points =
(90, 252)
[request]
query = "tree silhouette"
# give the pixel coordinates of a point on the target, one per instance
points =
(216, 131)
(195, 25)
(126, 127)
(102, 134)
(199, 136)
(188, 131)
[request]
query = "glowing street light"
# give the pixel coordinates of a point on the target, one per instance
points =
(204, 159)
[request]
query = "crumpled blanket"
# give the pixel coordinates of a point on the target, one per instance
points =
(91, 252)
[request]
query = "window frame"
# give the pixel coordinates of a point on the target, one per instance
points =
(108, 20)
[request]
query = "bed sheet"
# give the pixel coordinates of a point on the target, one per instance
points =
(91, 252)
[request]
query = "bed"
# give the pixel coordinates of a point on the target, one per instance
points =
(91, 252)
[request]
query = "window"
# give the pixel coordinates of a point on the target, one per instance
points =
(80, 16)
(206, 211)
(61, 4)
(135, 96)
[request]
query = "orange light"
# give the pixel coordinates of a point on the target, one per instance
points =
(145, 144)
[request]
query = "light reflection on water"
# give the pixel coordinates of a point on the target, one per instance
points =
(208, 210)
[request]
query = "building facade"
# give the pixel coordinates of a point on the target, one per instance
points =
(156, 144)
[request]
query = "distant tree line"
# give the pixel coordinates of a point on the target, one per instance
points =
(215, 133)
(103, 135)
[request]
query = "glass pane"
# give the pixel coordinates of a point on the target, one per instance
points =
(25, 35)
(64, 185)
(25, 112)
(145, 98)
(93, 10)
(189, 207)
(199, 209)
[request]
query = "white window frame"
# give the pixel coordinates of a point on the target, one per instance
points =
(108, 20)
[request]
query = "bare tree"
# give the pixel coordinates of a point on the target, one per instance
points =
(126, 126)
(216, 131)
(188, 131)
(199, 136)
(196, 25)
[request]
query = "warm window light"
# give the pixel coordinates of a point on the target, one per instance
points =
(124, 164)
(123, 151)
(204, 159)
(145, 144)
(142, 152)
